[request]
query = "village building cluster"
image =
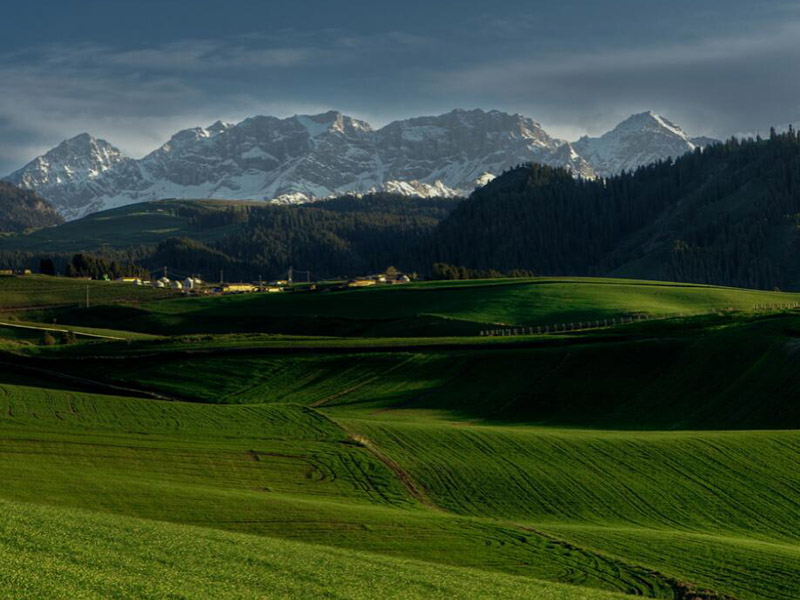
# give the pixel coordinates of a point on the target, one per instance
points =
(196, 285)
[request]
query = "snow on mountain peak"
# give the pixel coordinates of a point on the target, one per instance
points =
(307, 157)
(484, 179)
(82, 157)
(640, 139)
(649, 121)
(331, 121)
(316, 125)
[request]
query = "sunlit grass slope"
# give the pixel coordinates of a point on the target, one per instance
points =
(65, 553)
(272, 470)
(694, 506)
(428, 309)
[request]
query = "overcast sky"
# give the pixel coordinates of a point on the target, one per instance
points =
(134, 72)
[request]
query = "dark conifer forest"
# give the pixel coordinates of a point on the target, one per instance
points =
(728, 214)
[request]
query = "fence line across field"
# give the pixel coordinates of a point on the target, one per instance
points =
(614, 321)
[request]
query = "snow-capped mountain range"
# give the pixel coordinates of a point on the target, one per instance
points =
(304, 157)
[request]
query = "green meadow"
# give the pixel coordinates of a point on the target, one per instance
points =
(423, 310)
(369, 444)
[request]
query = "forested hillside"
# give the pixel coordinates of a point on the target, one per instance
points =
(726, 215)
(23, 209)
(340, 237)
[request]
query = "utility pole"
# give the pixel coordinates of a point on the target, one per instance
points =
(291, 273)
(221, 276)
(87, 296)
(166, 273)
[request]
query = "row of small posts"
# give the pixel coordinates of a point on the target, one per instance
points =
(776, 306)
(564, 327)
(583, 325)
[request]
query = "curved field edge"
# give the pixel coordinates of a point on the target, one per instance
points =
(57, 552)
(717, 509)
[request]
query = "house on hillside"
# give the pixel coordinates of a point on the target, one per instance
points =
(238, 288)
(176, 285)
(359, 283)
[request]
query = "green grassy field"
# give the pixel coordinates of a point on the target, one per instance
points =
(658, 459)
(39, 292)
(271, 470)
(49, 552)
(728, 372)
(663, 493)
(430, 309)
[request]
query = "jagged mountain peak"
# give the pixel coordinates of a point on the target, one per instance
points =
(82, 139)
(81, 145)
(640, 139)
(73, 173)
(77, 158)
(651, 121)
(191, 135)
(473, 117)
(218, 127)
(304, 157)
(331, 122)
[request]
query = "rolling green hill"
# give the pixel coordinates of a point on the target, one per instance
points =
(658, 458)
(426, 309)
(280, 471)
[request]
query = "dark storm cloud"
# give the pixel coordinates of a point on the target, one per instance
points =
(134, 72)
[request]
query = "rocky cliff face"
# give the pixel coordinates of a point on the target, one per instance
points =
(305, 157)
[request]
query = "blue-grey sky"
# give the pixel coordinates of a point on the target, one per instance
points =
(134, 72)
